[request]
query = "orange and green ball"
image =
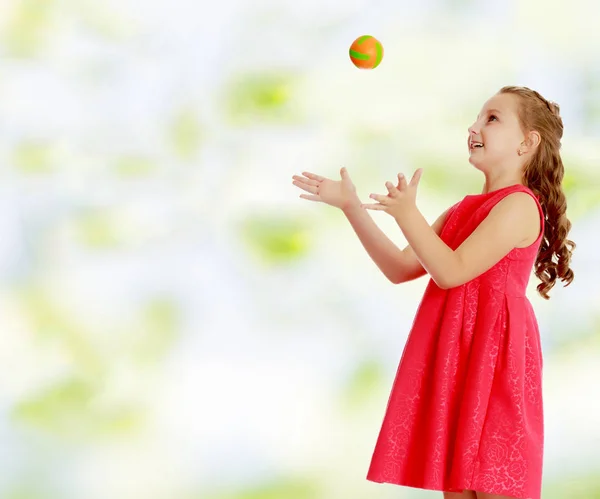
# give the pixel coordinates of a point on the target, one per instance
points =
(366, 52)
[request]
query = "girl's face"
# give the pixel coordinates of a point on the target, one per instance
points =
(497, 128)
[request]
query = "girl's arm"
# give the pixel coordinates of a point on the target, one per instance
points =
(513, 222)
(397, 265)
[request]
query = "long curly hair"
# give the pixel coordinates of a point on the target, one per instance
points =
(543, 174)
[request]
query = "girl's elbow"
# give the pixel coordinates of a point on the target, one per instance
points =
(396, 280)
(442, 285)
(446, 283)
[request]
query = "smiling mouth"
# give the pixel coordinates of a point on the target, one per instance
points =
(475, 145)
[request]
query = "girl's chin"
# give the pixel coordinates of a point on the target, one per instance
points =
(477, 164)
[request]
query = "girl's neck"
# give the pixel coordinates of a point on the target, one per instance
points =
(499, 183)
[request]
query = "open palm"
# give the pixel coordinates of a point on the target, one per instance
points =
(338, 193)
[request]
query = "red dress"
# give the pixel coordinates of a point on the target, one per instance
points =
(465, 409)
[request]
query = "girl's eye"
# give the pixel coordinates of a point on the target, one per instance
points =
(493, 116)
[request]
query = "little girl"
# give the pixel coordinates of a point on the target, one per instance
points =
(465, 412)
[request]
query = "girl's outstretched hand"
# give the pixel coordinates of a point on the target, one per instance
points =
(400, 198)
(338, 193)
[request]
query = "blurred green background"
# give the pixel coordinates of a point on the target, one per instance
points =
(175, 322)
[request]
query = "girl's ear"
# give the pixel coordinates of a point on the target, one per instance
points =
(533, 139)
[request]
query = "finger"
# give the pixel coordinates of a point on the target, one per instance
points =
(379, 197)
(344, 173)
(401, 181)
(391, 189)
(308, 188)
(313, 176)
(377, 207)
(311, 198)
(305, 180)
(414, 181)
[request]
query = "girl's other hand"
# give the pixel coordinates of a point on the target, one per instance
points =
(338, 193)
